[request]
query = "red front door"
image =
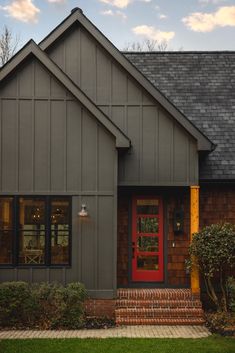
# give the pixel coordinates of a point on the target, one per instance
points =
(147, 239)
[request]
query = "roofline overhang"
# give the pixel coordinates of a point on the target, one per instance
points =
(31, 48)
(203, 143)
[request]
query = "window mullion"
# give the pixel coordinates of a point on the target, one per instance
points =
(16, 231)
(48, 231)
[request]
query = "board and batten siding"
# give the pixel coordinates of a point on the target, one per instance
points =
(162, 152)
(51, 145)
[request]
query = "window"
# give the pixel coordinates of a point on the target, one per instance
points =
(39, 233)
(32, 231)
(59, 231)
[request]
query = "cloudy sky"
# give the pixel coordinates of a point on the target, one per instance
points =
(187, 24)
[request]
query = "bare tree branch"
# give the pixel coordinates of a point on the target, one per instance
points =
(146, 45)
(8, 45)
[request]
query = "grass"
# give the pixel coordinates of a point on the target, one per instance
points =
(213, 344)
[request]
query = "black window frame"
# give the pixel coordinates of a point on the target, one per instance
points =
(16, 229)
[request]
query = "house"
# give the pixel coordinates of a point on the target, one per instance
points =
(109, 162)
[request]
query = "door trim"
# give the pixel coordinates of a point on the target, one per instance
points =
(153, 276)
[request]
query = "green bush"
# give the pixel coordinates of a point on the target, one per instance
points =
(17, 305)
(44, 305)
(231, 293)
(72, 314)
(216, 322)
(214, 249)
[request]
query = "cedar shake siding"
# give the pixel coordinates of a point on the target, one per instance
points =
(217, 204)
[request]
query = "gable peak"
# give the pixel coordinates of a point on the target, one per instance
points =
(77, 9)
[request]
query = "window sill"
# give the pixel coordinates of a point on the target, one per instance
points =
(29, 266)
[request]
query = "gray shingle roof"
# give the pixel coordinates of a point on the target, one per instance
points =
(202, 86)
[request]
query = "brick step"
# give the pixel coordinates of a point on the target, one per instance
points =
(157, 294)
(157, 321)
(143, 303)
(158, 313)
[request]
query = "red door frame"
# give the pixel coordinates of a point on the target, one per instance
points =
(147, 275)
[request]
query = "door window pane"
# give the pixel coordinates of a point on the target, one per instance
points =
(147, 207)
(147, 263)
(147, 225)
(6, 230)
(149, 243)
(60, 231)
(32, 231)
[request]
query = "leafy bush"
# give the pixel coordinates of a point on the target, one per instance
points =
(72, 314)
(214, 249)
(44, 305)
(216, 322)
(222, 323)
(17, 306)
(231, 293)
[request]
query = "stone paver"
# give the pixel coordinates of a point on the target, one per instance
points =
(122, 331)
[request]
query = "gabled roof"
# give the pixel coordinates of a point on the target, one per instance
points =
(31, 48)
(202, 86)
(204, 144)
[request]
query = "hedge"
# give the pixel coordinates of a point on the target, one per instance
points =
(42, 305)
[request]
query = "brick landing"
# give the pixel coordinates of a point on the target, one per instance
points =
(158, 307)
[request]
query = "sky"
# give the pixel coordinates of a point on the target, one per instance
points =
(182, 24)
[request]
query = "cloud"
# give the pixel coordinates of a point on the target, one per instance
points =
(120, 14)
(151, 32)
(57, 1)
(207, 22)
(118, 3)
(107, 13)
(214, 2)
(22, 10)
(162, 16)
(121, 3)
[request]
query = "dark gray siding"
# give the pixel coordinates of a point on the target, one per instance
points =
(51, 145)
(163, 152)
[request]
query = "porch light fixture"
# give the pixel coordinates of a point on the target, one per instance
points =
(178, 221)
(83, 212)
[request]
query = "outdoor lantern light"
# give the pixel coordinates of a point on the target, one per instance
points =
(83, 212)
(178, 221)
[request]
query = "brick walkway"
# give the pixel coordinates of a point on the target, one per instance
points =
(123, 331)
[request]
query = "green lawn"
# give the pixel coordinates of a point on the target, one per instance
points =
(213, 344)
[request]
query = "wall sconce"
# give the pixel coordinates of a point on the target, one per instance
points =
(83, 212)
(178, 225)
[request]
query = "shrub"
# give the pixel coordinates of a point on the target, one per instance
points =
(214, 249)
(44, 305)
(49, 300)
(17, 305)
(216, 322)
(231, 293)
(72, 314)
